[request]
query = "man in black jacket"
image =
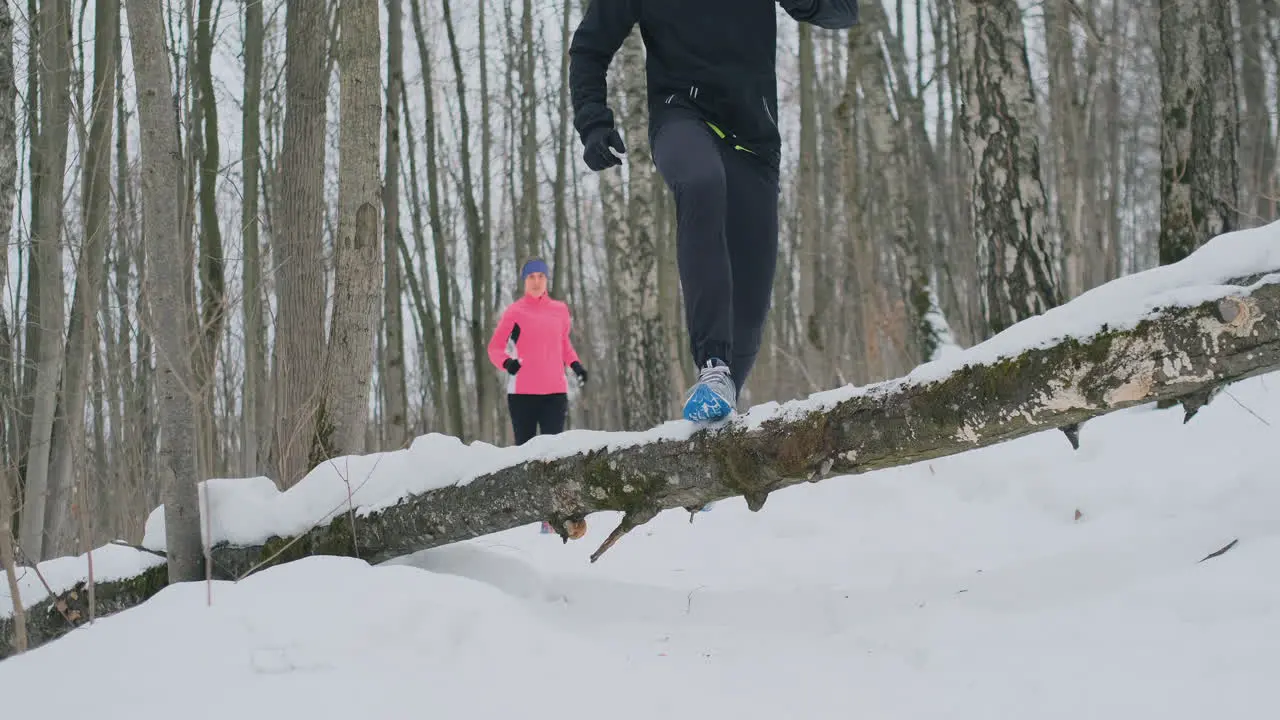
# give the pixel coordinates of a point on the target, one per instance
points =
(713, 108)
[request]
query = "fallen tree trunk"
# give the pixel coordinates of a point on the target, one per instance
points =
(1178, 352)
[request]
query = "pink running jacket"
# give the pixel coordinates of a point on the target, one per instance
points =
(539, 327)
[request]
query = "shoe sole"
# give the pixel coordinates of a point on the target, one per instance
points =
(704, 405)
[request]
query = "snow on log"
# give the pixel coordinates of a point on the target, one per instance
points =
(1183, 345)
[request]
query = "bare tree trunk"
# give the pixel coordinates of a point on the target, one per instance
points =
(9, 404)
(70, 449)
(161, 171)
(55, 110)
(811, 253)
(395, 398)
(889, 138)
(560, 259)
(29, 345)
(1257, 146)
(453, 387)
(254, 408)
(641, 346)
(1199, 195)
(864, 365)
(298, 246)
(8, 559)
(344, 413)
(8, 149)
(1016, 267)
(478, 239)
(528, 239)
(212, 277)
(1066, 121)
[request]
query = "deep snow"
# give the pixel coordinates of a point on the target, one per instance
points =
(958, 588)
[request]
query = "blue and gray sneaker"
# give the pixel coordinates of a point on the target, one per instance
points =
(714, 396)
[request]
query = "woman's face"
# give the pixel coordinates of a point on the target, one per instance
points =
(535, 284)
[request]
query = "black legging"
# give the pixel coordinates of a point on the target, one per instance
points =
(533, 413)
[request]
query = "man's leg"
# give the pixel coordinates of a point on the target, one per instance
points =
(524, 416)
(752, 233)
(688, 157)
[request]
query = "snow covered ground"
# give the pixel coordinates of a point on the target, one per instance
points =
(957, 588)
(1023, 580)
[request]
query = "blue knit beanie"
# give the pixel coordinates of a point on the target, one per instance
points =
(533, 266)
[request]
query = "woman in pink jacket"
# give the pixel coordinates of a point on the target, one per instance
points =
(532, 344)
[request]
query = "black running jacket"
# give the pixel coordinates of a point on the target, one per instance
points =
(714, 58)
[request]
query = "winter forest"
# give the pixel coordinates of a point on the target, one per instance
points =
(315, 212)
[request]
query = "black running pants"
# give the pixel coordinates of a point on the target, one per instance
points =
(537, 414)
(727, 239)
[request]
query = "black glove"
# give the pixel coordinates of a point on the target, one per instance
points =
(596, 148)
(511, 365)
(580, 371)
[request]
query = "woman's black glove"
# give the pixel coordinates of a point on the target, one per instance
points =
(511, 365)
(580, 371)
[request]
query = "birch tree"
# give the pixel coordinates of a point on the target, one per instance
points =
(641, 345)
(1015, 261)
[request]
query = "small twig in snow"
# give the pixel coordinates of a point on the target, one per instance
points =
(1247, 408)
(208, 546)
(630, 521)
(1221, 550)
(60, 604)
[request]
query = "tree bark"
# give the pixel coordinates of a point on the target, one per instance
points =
(1016, 264)
(8, 142)
(1257, 146)
(298, 246)
(431, 350)
(435, 215)
(46, 352)
(395, 426)
(528, 240)
(16, 636)
(161, 171)
(478, 240)
(641, 346)
(1199, 173)
(8, 199)
(70, 456)
(213, 307)
(254, 406)
(1230, 337)
(1066, 122)
(344, 415)
(889, 138)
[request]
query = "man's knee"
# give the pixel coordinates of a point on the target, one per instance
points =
(689, 161)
